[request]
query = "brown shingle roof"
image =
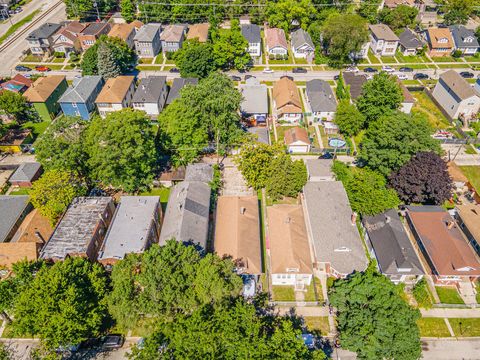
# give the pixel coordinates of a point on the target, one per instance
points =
(41, 89)
(172, 33)
(285, 93)
(289, 248)
(436, 34)
(34, 223)
(275, 37)
(199, 31)
(470, 215)
(458, 85)
(13, 252)
(121, 31)
(237, 231)
(296, 134)
(115, 90)
(407, 97)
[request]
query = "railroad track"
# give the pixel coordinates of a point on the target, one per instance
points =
(27, 28)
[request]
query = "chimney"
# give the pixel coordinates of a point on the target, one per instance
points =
(287, 220)
(388, 219)
(353, 218)
(450, 225)
(242, 210)
(38, 235)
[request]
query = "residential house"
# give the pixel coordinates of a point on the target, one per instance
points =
(16, 140)
(297, 141)
(79, 99)
(444, 247)
(286, 100)
(147, 40)
(260, 133)
(125, 32)
(244, 20)
(331, 224)
(388, 243)
(409, 43)
(392, 4)
(355, 82)
(290, 259)
(468, 217)
(319, 170)
(455, 95)
(276, 43)
(408, 99)
(302, 44)
(199, 172)
(237, 232)
(172, 37)
(26, 174)
(440, 41)
(177, 86)
(66, 39)
(171, 176)
(254, 103)
(362, 53)
(251, 33)
(117, 18)
(116, 95)
(321, 100)
(40, 40)
(18, 84)
(14, 208)
(199, 32)
(151, 95)
(383, 40)
(89, 35)
(135, 226)
(44, 94)
(81, 230)
(464, 39)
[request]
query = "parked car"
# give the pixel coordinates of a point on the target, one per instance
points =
(401, 76)
(267, 71)
(22, 68)
(299, 70)
(174, 70)
(370, 70)
(112, 342)
(235, 78)
(42, 68)
(352, 69)
(467, 74)
(326, 156)
(388, 69)
(420, 76)
(248, 77)
(405, 69)
(18, 10)
(336, 77)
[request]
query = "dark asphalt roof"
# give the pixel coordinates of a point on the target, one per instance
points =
(177, 85)
(463, 37)
(44, 31)
(150, 89)
(320, 96)
(251, 33)
(11, 208)
(25, 172)
(356, 82)
(409, 40)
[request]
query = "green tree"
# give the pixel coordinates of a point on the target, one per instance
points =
(288, 14)
(54, 191)
(373, 318)
(369, 10)
(458, 11)
(60, 147)
(380, 96)
(128, 10)
(287, 177)
(106, 63)
(399, 17)
(344, 34)
(195, 59)
(393, 139)
(15, 106)
(64, 304)
(342, 91)
(6, 352)
(348, 118)
(121, 150)
(230, 49)
(89, 62)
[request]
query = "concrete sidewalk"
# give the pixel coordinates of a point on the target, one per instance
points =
(451, 313)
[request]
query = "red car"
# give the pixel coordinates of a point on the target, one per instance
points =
(42, 68)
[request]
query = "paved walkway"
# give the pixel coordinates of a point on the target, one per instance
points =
(451, 313)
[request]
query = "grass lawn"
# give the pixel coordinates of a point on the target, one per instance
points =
(454, 66)
(473, 175)
(58, 60)
(410, 82)
(145, 60)
(312, 134)
(166, 67)
(408, 59)
(302, 61)
(281, 68)
(469, 149)
(388, 60)
(465, 327)
(310, 294)
(422, 295)
(442, 59)
(433, 327)
(373, 59)
(163, 192)
(288, 61)
(448, 295)
(319, 323)
(144, 327)
(55, 67)
(18, 25)
(149, 67)
(20, 191)
(281, 132)
(37, 128)
(477, 286)
(425, 105)
(359, 137)
(159, 58)
(283, 293)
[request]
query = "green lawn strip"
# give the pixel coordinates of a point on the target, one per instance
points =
(454, 66)
(262, 230)
(163, 192)
(443, 59)
(159, 59)
(150, 67)
(433, 327)
(388, 60)
(283, 293)
(410, 82)
(359, 137)
(477, 286)
(58, 60)
(448, 295)
(37, 127)
(425, 106)
(312, 134)
(470, 150)
(144, 327)
(301, 61)
(473, 175)
(145, 60)
(18, 25)
(310, 294)
(20, 191)
(281, 132)
(317, 323)
(378, 67)
(465, 327)
(422, 294)
(408, 59)
(171, 62)
(373, 59)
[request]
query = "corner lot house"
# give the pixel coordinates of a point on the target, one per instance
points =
(26, 174)
(409, 43)
(81, 230)
(383, 40)
(321, 100)
(44, 95)
(237, 232)
(135, 226)
(319, 170)
(464, 39)
(251, 33)
(89, 35)
(445, 249)
(79, 99)
(302, 44)
(276, 42)
(468, 216)
(125, 32)
(255, 101)
(286, 101)
(13, 210)
(172, 37)
(290, 259)
(40, 40)
(297, 140)
(388, 242)
(116, 95)
(440, 41)
(456, 96)
(147, 41)
(332, 229)
(177, 86)
(151, 95)
(199, 32)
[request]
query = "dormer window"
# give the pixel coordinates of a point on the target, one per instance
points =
(443, 40)
(468, 39)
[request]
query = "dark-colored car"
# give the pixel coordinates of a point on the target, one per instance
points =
(22, 68)
(405, 69)
(112, 342)
(336, 77)
(326, 156)
(235, 78)
(174, 70)
(467, 74)
(370, 70)
(299, 70)
(42, 68)
(248, 76)
(420, 76)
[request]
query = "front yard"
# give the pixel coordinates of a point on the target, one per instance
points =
(433, 327)
(473, 175)
(465, 327)
(317, 323)
(448, 295)
(310, 294)
(283, 293)
(425, 106)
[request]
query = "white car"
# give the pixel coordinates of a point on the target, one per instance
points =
(352, 69)
(401, 76)
(388, 69)
(267, 71)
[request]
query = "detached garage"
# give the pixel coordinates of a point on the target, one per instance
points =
(297, 140)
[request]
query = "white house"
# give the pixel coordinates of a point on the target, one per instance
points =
(276, 42)
(383, 40)
(321, 100)
(360, 54)
(297, 140)
(302, 44)
(251, 33)
(116, 95)
(151, 95)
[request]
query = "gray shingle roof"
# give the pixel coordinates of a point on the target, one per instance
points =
(335, 239)
(319, 167)
(391, 244)
(251, 33)
(44, 31)
(199, 172)
(300, 37)
(463, 37)
(150, 89)
(262, 134)
(25, 172)
(81, 90)
(383, 32)
(409, 40)
(147, 32)
(11, 208)
(456, 84)
(255, 98)
(321, 96)
(177, 85)
(356, 83)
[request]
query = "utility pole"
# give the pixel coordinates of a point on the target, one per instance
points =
(95, 5)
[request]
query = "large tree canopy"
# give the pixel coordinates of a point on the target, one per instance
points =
(373, 319)
(399, 17)
(289, 14)
(195, 59)
(15, 106)
(458, 11)
(348, 118)
(424, 179)
(230, 49)
(392, 140)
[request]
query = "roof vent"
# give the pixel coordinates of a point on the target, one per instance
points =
(242, 210)
(287, 220)
(450, 224)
